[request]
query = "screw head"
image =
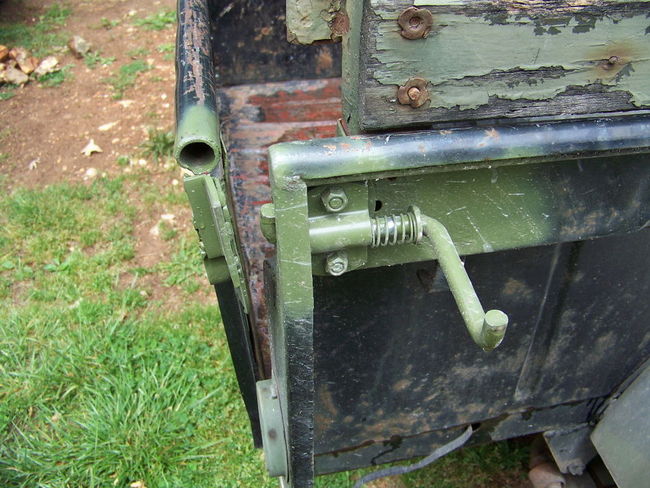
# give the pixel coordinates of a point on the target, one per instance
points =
(334, 199)
(413, 93)
(415, 22)
(336, 263)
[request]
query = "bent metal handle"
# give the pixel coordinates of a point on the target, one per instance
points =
(486, 329)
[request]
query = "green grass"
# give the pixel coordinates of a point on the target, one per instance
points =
(159, 146)
(55, 78)
(99, 385)
(138, 52)
(158, 21)
(40, 38)
(94, 59)
(126, 76)
(6, 93)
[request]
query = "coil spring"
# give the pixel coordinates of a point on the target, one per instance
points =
(390, 230)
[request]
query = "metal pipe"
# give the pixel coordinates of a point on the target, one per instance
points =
(198, 144)
(357, 157)
(486, 329)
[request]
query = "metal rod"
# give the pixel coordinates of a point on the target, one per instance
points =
(486, 329)
(198, 144)
(354, 158)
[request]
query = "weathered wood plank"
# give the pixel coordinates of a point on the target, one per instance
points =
(503, 58)
(309, 21)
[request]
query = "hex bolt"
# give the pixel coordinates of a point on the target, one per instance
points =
(414, 93)
(334, 199)
(336, 263)
(415, 22)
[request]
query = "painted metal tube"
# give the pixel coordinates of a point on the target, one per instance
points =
(198, 144)
(345, 158)
(486, 329)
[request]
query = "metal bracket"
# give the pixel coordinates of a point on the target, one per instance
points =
(213, 222)
(345, 232)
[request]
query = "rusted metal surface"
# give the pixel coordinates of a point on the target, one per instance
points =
(254, 117)
(415, 22)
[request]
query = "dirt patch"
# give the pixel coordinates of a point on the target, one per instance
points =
(45, 128)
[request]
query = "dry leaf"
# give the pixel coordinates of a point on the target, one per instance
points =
(108, 126)
(90, 148)
(4, 52)
(27, 65)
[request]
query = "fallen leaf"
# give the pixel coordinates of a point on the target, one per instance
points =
(107, 126)
(47, 65)
(33, 164)
(4, 52)
(90, 148)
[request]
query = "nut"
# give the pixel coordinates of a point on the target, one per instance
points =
(415, 22)
(336, 263)
(334, 199)
(413, 93)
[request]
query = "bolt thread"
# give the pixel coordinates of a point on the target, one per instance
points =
(390, 230)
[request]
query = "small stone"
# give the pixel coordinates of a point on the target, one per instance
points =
(125, 103)
(15, 76)
(154, 231)
(174, 182)
(142, 162)
(18, 53)
(47, 65)
(91, 173)
(167, 217)
(90, 148)
(79, 46)
(4, 52)
(28, 65)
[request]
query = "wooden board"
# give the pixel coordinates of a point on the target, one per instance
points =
(497, 59)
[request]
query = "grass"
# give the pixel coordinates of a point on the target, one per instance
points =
(138, 52)
(94, 59)
(157, 21)
(126, 76)
(55, 78)
(6, 93)
(102, 385)
(99, 385)
(159, 146)
(41, 38)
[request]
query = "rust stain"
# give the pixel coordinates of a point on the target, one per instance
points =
(493, 134)
(324, 60)
(340, 25)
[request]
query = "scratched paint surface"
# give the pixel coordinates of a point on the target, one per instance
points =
(464, 55)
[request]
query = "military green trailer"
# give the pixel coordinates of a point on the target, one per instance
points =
(426, 224)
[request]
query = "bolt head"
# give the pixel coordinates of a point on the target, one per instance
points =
(336, 263)
(414, 93)
(334, 199)
(415, 22)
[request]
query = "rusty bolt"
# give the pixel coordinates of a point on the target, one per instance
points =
(415, 22)
(334, 199)
(413, 93)
(612, 60)
(336, 263)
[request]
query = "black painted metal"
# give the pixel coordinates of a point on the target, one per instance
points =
(393, 362)
(235, 323)
(251, 45)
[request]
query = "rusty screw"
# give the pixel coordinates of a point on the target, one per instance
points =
(415, 22)
(413, 93)
(612, 60)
